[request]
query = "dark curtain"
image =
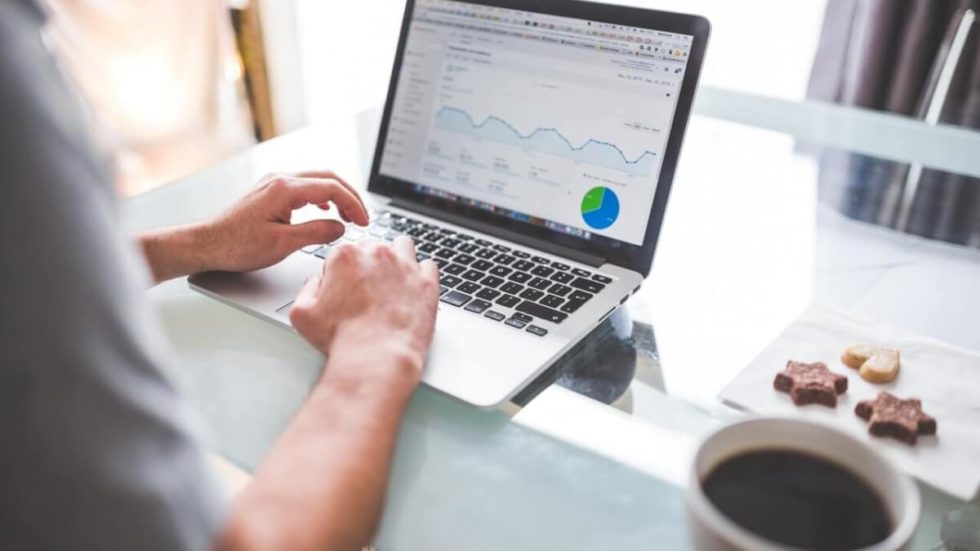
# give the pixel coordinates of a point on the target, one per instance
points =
(879, 54)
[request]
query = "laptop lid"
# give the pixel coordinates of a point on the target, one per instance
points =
(558, 120)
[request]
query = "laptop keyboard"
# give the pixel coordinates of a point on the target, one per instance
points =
(500, 283)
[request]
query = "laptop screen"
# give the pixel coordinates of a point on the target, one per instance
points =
(553, 121)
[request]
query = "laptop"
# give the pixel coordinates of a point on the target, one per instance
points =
(528, 147)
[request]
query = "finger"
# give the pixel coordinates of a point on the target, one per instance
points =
(304, 190)
(404, 248)
(429, 269)
(314, 232)
(307, 295)
(331, 175)
(328, 175)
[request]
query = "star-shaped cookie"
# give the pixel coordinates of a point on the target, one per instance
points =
(810, 383)
(889, 415)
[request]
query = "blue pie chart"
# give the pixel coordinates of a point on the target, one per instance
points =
(600, 208)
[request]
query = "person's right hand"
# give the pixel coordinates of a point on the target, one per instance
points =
(371, 298)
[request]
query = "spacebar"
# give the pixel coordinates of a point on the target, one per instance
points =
(542, 312)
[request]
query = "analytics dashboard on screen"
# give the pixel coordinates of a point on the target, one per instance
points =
(557, 121)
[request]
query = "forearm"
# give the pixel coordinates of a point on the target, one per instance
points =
(174, 252)
(322, 486)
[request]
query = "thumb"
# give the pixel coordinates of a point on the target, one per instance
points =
(307, 295)
(316, 232)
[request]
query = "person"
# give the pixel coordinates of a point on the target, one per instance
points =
(97, 450)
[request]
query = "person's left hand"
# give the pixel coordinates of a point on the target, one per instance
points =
(256, 231)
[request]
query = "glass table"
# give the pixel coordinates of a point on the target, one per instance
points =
(595, 454)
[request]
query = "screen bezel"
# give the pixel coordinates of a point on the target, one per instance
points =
(634, 257)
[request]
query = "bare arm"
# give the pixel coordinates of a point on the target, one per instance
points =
(322, 486)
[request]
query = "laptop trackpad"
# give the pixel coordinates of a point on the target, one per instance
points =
(269, 291)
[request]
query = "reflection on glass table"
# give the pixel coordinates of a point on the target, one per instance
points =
(747, 245)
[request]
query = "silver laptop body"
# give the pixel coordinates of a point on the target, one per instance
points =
(485, 159)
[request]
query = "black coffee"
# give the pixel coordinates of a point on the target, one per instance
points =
(799, 500)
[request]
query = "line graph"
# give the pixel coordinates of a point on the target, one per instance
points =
(544, 140)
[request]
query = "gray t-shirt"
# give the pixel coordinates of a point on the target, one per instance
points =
(96, 447)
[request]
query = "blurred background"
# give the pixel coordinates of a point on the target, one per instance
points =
(178, 85)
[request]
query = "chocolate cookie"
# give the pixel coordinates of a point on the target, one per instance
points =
(810, 383)
(889, 415)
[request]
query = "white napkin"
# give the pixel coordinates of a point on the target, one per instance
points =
(944, 377)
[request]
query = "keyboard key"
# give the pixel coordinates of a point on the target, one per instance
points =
(602, 279)
(455, 298)
(485, 253)
(440, 262)
(482, 242)
(559, 266)
(445, 253)
(512, 288)
(477, 306)
(531, 294)
(473, 275)
(524, 265)
(560, 290)
(491, 281)
(443, 290)
(463, 259)
(519, 277)
(521, 254)
(500, 271)
(449, 242)
(482, 265)
(504, 259)
(449, 281)
(464, 237)
(501, 248)
(322, 251)
(310, 249)
(535, 330)
(508, 301)
(580, 296)
(587, 285)
(488, 294)
(541, 312)
(543, 271)
(560, 277)
(428, 248)
(539, 283)
(454, 269)
(522, 317)
(494, 315)
(540, 260)
(571, 306)
(432, 237)
(468, 287)
(467, 248)
(551, 301)
(516, 323)
(421, 256)
(581, 273)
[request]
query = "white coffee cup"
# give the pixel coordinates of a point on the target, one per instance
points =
(711, 530)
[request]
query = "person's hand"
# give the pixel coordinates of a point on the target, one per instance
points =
(256, 231)
(371, 299)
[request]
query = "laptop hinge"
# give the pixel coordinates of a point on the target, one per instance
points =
(476, 225)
